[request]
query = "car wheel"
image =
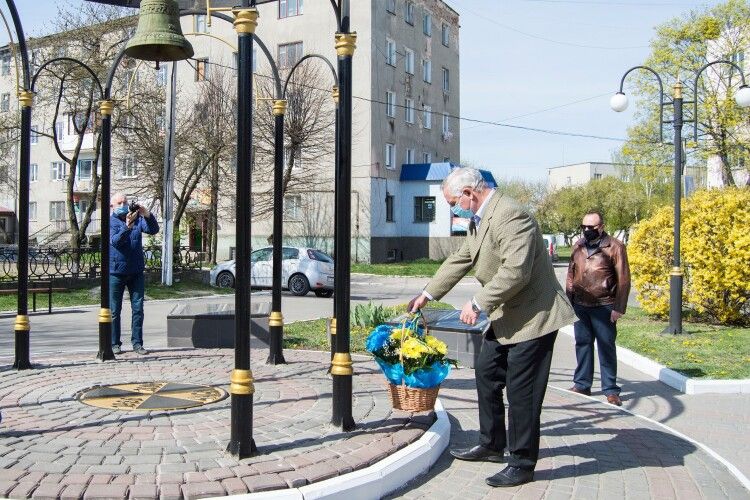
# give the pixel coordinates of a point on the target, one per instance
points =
(323, 293)
(225, 279)
(299, 285)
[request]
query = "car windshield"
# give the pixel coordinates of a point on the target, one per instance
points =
(318, 255)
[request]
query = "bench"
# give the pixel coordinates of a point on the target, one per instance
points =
(36, 287)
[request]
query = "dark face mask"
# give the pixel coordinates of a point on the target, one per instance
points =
(591, 235)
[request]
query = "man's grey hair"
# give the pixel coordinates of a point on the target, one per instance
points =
(464, 177)
(117, 196)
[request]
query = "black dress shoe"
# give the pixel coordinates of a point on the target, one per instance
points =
(479, 454)
(510, 476)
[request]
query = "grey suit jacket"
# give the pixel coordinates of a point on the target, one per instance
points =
(520, 292)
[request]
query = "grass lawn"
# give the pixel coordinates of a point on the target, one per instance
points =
(702, 351)
(90, 296)
(312, 334)
(419, 267)
(564, 253)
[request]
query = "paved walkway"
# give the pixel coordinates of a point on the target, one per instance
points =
(53, 446)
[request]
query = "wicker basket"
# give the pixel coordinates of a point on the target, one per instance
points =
(412, 399)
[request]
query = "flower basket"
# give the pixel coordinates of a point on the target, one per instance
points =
(412, 361)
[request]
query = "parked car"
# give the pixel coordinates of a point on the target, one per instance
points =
(302, 270)
(549, 243)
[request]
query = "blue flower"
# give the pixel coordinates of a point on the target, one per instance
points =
(378, 338)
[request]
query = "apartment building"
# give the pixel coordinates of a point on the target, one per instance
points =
(405, 111)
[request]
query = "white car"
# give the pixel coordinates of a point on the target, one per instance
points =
(302, 270)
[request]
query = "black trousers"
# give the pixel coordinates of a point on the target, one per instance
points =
(523, 370)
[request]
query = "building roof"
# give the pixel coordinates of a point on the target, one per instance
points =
(435, 172)
(6, 210)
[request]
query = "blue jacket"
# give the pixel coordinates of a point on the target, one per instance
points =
(126, 245)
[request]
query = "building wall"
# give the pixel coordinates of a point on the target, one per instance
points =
(579, 173)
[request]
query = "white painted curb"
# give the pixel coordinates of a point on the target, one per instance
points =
(672, 378)
(378, 480)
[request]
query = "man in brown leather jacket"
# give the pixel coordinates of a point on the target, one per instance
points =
(598, 285)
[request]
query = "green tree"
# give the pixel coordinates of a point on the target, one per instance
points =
(681, 47)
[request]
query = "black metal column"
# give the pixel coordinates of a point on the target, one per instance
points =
(105, 313)
(341, 365)
(276, 320)
(336, 168)
(675, 276)
(241, 443)
(22, 326)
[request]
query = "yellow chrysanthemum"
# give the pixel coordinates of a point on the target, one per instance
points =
(436, 344)
(398, 332)
(412, 348)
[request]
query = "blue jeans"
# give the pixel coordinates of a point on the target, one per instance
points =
(135, 285)
(594, 323)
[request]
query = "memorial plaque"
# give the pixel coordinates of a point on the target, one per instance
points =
(194, 324)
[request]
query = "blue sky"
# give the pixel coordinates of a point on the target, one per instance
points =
(519, 59)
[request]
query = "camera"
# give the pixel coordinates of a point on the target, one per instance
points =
(133, 207)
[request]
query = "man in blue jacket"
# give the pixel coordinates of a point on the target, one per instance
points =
(126, 266)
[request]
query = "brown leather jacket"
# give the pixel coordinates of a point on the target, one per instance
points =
(602, 278)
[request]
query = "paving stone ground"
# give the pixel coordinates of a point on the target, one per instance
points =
(52, 446)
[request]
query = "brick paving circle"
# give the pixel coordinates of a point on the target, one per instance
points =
(52, 446)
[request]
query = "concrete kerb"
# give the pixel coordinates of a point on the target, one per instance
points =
(378, 480)
(676, 380)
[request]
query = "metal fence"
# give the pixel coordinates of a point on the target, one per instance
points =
(50, 263)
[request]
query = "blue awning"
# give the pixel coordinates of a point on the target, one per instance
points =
(436, 172)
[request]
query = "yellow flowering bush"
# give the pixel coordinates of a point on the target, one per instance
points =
(715, 251)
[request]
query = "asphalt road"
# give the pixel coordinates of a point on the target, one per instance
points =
(77, 329)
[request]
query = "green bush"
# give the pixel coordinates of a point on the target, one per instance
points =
(370, 315)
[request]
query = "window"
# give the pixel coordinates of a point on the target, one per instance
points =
(288, 253)
(409, 61)
(409, 158)
(5, 65)
(32, 210)
(58, 171)
(427, 70)
(427, 117)
(199, 24)
(390, 52)
(84, 170)
(409, 110)
(389, 208)
(262, 255)
(424, 208)
(201, 69)
(737, 58)
(33, 172)
(288, 8)
(390, 156)
(292, 207)
(34, 135)
(295, 158)
(390, 104)
(59, 129)
(427, 24)
(390, 6)
(129, 168)
(446, 35)
(426, 158)
(446, 159)
(161, 75)
(446, 80)
(597, 176)
(289, 54)
(77, 122)
(409, 12)
(57, 210)
(446, 124)
(5, 102)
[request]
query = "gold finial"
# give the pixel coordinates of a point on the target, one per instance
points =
(346, 43)
(245, 20)
(279, 108)
(26, 98)
(276, 319)
(341, 364)
(241, 382)
(22, 323)
(106, 107)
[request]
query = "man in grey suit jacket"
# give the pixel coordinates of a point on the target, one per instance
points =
(526, 306)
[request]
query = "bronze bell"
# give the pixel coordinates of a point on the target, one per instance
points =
(159, 36)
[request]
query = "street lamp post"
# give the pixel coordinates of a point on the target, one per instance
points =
(619, 103)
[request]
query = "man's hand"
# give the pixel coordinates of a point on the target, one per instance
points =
(130, 219)
(615, 316)
(417, 303)
(143, 211)
(468, 315)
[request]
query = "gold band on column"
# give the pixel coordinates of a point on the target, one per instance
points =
(335, 93)
(678, 90)
(333, 326)
(105, 315)
(26, 98)
(245, 20)
(241, 382)
(341, 364)
(276, 319)
(106, 107)
(676, 271)
(346, 43)
(279, 107)
(22, 323)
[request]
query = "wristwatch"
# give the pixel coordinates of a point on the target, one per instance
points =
(475, 307)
